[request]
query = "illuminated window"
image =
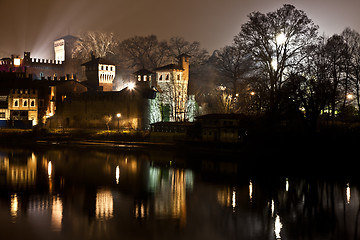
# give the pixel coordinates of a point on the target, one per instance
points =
(145, 78)
(2, 115)
(32, 103)
(139, 77)
(16, 103)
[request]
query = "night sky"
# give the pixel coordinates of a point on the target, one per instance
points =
(32, 25)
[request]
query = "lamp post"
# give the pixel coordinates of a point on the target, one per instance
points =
(118, 115)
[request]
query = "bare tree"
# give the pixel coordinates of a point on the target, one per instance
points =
(144, 52)
(276, 41)
(178, 46)
(100, 44)
(233, 65)
(107, 120)
(335, 56)
(352, 40)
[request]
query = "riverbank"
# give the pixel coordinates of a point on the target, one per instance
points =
(339, 136)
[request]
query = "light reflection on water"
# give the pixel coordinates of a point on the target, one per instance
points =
(100, 195)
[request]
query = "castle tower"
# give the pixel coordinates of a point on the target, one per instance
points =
(100, 74)
(63, 48)
(172, 81)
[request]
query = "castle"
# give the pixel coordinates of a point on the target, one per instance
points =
(158, 95)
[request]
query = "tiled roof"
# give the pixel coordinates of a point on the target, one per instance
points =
(169, 67)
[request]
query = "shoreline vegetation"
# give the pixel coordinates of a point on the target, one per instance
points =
(339, 135)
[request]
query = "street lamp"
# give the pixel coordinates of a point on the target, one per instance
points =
(118, 115)
(280, 39)
(131, 86)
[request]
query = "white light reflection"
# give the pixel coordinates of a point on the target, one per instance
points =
(348, 193)
(57, 214)
(287, 185)
(277, 228)
(233, 202)
(117, 174)
(49, 169)
(104, 204)
(272, 208)
(250, 190)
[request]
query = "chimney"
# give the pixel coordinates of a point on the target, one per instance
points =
(184, 63)
(92, 55)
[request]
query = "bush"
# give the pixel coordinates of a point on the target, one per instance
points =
(348, 114)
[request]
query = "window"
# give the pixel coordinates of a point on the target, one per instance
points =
(139, 77)
(145, 78)
(2, 115)
(178, 77)
(106, 68)
(102, 67)
(160, 77)
(25, 102)
(111, 68)
(32, 103)
(16, 102)
(167, 77)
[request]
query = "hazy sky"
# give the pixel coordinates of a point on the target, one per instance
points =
(32, 25)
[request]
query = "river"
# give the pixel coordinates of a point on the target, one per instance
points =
(91, 193)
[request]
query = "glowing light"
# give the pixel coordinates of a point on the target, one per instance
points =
(117, 174)
(349, 96)
(272, 207)
(250, 190)
(348, 193)
(118, 115)
(16, 62)
(274, 64)
(252, 93)
(277, 228)
(49, 169)
(280, 38)
(131, 86)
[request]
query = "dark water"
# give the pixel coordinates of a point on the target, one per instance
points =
(80, 193)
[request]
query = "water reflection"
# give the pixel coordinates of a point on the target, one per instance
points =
(14, 207)
(277, 227)
(104, 204)
(105, 195)
(56, 213)
(348, 193)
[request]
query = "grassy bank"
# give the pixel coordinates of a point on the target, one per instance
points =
(46, 134)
